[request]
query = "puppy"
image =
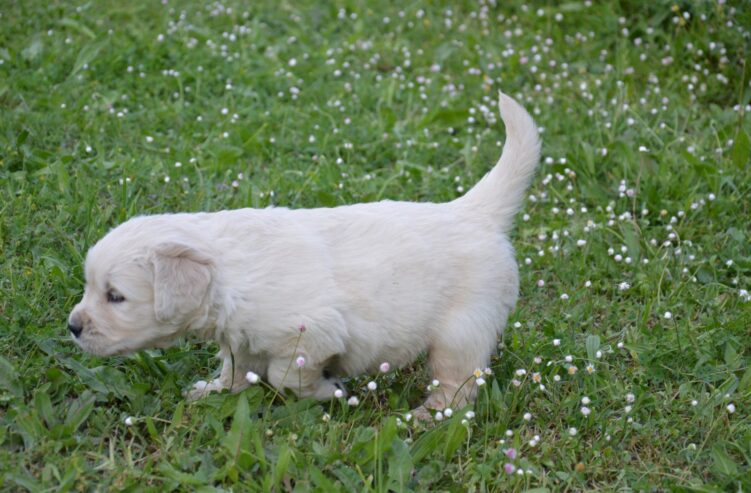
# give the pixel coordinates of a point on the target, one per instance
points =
(303, 297)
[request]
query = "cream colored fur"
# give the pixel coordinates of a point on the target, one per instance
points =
(370, 283)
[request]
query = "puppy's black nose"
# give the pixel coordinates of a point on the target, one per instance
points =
(75, 329)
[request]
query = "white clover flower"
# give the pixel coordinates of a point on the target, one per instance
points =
(585, 410)
(568, 358)
(557, 378)
(300, 361)
(438, 416)
(572, 431)
(521, 372)
(372, 386)
(556, 342)
(385, 367)
(667, 315)
(252, 377)
(469, 415)
(338, 393)
(129, 421)
(448, 412)
(527, 416)
(353, 401)
(585, 400)
(480, 381)
(731, 408)
(694, 402)
(630, 398)
(435, 382)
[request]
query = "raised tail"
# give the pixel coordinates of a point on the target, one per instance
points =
(501, 191)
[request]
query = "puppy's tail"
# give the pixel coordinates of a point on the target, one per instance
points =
(501, 191)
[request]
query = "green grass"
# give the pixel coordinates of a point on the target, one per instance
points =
(101, 100)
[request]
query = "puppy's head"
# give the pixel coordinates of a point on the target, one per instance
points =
(140, 293)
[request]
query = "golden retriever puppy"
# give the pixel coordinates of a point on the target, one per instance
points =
(303, 297)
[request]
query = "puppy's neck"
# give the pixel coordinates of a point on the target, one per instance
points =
(209, 322)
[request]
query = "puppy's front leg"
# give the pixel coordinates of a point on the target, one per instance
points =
(312, 380)
(232, 376)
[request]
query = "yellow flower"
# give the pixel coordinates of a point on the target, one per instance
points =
(572, 370)
(478, 373)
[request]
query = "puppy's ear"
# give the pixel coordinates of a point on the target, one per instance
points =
(182, 276)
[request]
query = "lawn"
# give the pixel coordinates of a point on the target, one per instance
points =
(626, 365)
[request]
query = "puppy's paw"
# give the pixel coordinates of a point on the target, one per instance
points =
(203, 388)
(422, 414)
(328, 388)
(338, 386)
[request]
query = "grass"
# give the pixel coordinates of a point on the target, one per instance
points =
(643, 191)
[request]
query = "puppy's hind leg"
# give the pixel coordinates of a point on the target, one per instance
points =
(462, 345)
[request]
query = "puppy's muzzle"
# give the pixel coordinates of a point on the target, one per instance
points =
(75, 329)
(75, 324)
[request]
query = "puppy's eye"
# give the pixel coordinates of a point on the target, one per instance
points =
(113, 297)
